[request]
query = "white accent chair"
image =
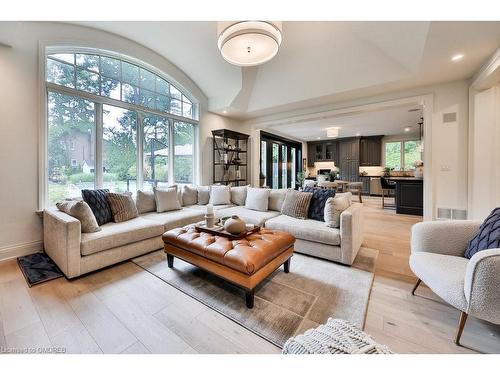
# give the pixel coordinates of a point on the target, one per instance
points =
(470, 285)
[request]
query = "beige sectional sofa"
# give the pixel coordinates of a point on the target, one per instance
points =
(79, 253)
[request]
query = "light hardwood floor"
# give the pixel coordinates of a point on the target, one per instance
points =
(124, 309)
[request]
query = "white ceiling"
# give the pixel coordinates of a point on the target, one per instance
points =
(318, 61)
(391, 121)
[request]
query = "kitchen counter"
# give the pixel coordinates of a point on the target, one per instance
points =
(409, 195)
(403, 178)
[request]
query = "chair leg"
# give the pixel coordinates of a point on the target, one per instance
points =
(359, 195)
(383, 198)
(415, 287)
(460, 327)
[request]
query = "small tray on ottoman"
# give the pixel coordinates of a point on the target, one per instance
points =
(218, 230)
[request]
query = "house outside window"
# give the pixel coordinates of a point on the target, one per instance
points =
(100, 108)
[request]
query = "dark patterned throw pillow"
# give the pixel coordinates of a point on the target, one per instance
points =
(488, 236)
(318, 201)
(98, 202)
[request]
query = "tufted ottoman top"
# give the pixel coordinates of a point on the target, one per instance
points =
(247, 255)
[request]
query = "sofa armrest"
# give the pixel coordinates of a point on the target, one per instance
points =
(482, 285)
(62, 237)
(443, 237)
(351, 232)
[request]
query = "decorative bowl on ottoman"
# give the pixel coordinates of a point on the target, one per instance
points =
(234, 225)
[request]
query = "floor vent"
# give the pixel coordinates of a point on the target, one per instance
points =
(444, 213)
(451, 214)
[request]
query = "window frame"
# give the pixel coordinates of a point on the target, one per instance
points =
(402, 152)
(99, 101)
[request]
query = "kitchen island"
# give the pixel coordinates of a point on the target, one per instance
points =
(409, 195)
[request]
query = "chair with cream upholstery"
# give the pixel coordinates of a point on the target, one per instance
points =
(470, 285)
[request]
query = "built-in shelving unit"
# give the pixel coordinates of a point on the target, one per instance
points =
(230, 151)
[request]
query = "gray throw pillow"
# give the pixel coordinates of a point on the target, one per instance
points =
(203, 194)
(167, 199)
(80, 210)
(239, 195)
(257, 199)
(276, 199)
(333, 208)
(189, 195)
(122, 206)
(145, 201)
(296, 204)
(220, 194)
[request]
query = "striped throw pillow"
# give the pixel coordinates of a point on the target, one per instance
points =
(122, 207)
(296, 204)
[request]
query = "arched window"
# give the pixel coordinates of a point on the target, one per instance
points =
(115, 123)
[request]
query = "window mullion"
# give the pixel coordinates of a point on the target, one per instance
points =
(140, 151)
(171, 152)
(98, 147)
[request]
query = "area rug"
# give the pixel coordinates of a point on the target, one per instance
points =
(285, 304)
(38, 268)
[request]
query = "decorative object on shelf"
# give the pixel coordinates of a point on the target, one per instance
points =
(234, 225)
(248, 43)
(209, 216)
(230, 157)
(419, 169)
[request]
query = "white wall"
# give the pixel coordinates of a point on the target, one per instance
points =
(20, 119)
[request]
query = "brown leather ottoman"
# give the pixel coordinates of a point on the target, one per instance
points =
(244, 262)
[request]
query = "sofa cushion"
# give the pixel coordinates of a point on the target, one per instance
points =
(488, 236)
(333, 209)
(220, 194)
(318, 201)
(444, 274)
(257, 199)
(239, 195)
(99, 204)
(189, 195)
(167, 199)
(203, 194)
(296, 204)
(249, 216)
(276, 199)
(80, 210)
(310, 230)
(119, 234)
(174, 219)
(122, 206)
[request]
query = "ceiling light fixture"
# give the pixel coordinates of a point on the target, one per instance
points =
(332, 132)
(358, 134)
(224, 111)
(457, 57)
(248, 43)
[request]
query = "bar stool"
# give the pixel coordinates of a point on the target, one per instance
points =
(356, 188)
(388, 187)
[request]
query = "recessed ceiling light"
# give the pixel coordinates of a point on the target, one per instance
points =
(457, 57)
(224, 111)
(358, 134)
(407, 129)
(319, 137)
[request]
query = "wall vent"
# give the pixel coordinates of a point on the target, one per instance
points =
(449, 117)
(443, 213)
(458, 214)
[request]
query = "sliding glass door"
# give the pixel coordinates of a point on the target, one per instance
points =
(279, 161)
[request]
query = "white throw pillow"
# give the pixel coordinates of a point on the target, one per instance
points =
(145, 201)
(276, 199)
(239, 195)
(257, 199)
(333, 208)
(189, 195)
(220, 194)
(166, 199)
(203, 194)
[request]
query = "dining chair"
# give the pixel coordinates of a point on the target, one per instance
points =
(388, 187)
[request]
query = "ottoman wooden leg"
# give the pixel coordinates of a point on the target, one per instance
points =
(286, 265)
(170, 260)
(249, 296)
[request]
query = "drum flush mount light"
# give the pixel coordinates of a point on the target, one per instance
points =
(248, 43)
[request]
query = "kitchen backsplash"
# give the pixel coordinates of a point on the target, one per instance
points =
(372, 171)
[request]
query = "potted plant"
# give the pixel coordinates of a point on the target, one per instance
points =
(333, 174)
(301, 176)
(387, 171)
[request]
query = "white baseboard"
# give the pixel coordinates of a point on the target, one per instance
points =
(21, 249)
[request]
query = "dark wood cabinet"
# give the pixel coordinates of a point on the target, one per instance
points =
(349, 159)
(321, 151)
(370, 151)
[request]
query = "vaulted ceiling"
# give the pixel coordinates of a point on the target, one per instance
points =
(318, 61)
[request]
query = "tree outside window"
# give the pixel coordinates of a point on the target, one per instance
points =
(402, 155)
